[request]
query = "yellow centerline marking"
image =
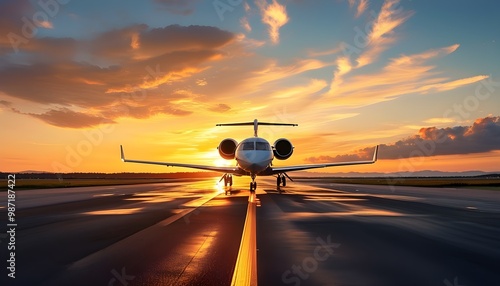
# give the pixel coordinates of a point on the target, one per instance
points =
(245, 271)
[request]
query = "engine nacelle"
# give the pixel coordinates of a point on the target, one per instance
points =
(227, 148)
(282, 149)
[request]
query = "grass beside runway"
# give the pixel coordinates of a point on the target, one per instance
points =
(456, 182)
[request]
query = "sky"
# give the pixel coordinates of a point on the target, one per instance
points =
(419, 78)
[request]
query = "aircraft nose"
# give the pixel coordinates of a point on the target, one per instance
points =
(254, 167)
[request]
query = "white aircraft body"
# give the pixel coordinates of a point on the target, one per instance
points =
(254, 157)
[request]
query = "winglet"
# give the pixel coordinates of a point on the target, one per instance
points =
(375, 154)
(122, 155)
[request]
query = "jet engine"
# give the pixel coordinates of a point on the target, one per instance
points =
(227, 147)
(282, 149)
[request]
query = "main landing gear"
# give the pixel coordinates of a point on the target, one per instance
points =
(281, 181)
(228, 180)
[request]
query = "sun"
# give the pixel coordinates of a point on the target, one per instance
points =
(220, 162)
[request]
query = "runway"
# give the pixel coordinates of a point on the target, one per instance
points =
(314, 233)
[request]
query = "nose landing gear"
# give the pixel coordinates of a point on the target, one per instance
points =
(253, 184)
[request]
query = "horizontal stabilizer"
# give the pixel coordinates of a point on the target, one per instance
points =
(256, 124)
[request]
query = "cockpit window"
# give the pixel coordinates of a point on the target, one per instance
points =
(262, 146)
(248, 146)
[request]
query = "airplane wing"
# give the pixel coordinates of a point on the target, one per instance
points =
(279, 170)
(228, 170)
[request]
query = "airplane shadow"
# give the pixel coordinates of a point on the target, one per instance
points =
(228, 191)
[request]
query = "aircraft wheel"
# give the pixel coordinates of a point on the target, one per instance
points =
(283, 181)
(231, 181)
(278, 181)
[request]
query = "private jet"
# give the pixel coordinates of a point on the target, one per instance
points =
(254, 157)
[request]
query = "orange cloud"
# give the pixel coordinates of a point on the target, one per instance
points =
(45, 24)
(483, 136)
(274, 15)
(165, 58)
(374, 42)
(402, 75)
(382, 33)
(453, 84)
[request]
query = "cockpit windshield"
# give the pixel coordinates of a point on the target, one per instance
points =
(262, 146)
(248, 146)
(254, 145)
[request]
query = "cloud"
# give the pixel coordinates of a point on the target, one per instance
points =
(275, 16)
(401, 75)
(65, 117)
(245, 24)
(482, 136)
(142, 42)
(439, 120)
(370, 44)
(134, 72)
(220, 108)
(361, 6)
(382, 35)
(45, 24)
(11, 13)
(6, 103)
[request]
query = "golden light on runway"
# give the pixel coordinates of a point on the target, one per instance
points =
(115, 211)
(219, 186)
(103, 195)
(361, 212)
(153, 197)
(334, 199)
(200, 201)
(217, 202)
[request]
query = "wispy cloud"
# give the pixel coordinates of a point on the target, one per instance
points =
(245, 24)
(360, 5)
(275, 16)
(45, 24)
(372, 44)
(439, 120)
(402, 75)
(391, 16)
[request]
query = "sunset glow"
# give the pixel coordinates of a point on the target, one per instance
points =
(156, 77)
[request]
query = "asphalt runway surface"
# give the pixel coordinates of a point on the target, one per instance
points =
(313, 233)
